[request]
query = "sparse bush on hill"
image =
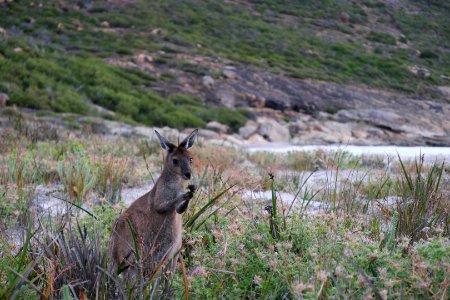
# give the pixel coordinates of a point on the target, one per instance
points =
(381, 37)
(65, 83)
(57, 64)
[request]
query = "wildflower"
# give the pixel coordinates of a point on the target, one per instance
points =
(218, 234)
(389, 283)
(368, 297)
(300, 287)
(361, 280)
(257, 279)
(348, 252)
(233, 227)
(421, 266)
(422, 284)
(383, 294)
(404, 243)
(273, 263)
(383, 272)
(322, 276)
(258, 238)
(199, 272)
(339, 271)
(289, 246)
(374, 255)
(234, 262)
(425, 229)
(439, 230)
(220, 253)
(241, 246)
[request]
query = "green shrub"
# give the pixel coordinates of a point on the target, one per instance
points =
(381, 37)
(429, 54)
(424, 205)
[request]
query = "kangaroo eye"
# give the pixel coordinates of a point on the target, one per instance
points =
(190, 159)
(175, 161)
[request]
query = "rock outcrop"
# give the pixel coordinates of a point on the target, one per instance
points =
(312, 111)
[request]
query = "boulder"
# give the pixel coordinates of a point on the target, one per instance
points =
(247, 130)
(420, 71)
(378, 117)
(119, 128)
(359, 133)
(145, 131)
(208, 134)
(272, 131)
(234, 139)
(172, 134)
(226, 98)
(254, 100)
(444, 91)
(142, 58)
(256, 139)
(217, 127)
(336, 131)
(230, 72)
(105, 24)
(208, 81)
(4, 98)
(296, 127)
(156, 31)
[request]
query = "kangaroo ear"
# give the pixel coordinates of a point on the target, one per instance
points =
(188, 142)
(165, 144)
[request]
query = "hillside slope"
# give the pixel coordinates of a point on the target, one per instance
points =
(154, 62)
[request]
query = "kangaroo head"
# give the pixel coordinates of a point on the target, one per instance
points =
(178, 158)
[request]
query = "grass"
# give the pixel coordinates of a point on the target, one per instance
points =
(357, 245)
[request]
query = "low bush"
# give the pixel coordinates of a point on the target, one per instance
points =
(381, 37)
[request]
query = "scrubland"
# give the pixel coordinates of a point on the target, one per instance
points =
(353, 226)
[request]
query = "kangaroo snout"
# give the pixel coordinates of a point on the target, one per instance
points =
(187, 175)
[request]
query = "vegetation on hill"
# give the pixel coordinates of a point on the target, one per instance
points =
(51, 55)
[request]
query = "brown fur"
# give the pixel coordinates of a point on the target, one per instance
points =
(155, 218)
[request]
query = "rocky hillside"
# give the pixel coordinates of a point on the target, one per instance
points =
(360, 72)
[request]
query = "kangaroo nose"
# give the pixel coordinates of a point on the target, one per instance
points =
(187, 175)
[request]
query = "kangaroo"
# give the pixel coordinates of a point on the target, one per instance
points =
(148, 233)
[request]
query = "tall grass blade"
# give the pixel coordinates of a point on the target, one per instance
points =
(274, 223)
(406, 175)
(213, 200)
